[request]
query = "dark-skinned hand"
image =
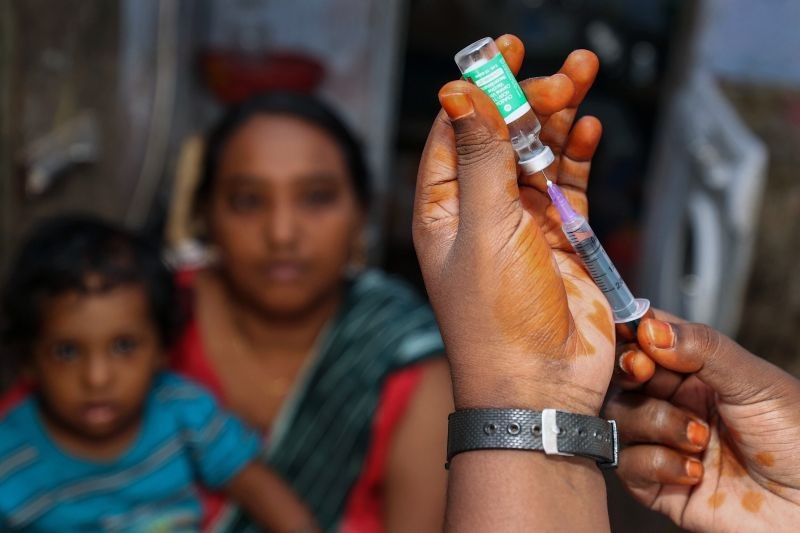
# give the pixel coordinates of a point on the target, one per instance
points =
(523, 323)
(712, 434)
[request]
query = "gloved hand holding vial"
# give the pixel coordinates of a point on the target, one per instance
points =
(482, 64)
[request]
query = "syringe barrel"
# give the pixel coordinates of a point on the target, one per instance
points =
(483, 64)
(605, 275)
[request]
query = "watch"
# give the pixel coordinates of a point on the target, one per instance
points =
(551, 431)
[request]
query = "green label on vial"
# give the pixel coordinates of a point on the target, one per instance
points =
(495, 79)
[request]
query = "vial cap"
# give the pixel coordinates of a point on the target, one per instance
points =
(538, 162)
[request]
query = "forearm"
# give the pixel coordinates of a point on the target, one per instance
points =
(416, 481)
(269, 501)
(506, 490)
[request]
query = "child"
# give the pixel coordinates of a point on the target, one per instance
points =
(108, 439)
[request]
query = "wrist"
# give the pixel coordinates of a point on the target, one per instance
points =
(522, 390)
(480, 394)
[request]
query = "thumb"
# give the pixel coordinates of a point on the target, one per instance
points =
(735, 374)
(487, 168)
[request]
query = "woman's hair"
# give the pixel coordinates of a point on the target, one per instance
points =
(297, 105)
(86, 255)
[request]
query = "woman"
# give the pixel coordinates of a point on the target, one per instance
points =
(344, 374)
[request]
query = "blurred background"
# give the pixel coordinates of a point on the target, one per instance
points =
(693, 191)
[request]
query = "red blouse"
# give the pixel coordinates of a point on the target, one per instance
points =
(364, 509)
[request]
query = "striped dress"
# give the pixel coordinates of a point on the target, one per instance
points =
(331, 439)
(184, 441)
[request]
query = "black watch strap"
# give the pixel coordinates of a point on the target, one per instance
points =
(551, 431)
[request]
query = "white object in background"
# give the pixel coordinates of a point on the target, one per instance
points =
(703, 208)
(75, 142)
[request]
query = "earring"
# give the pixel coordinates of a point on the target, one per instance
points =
(358, 255)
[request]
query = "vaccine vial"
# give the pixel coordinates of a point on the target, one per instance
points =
(482, 64)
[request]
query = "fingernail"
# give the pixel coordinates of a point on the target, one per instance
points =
(625, 361)
(697, 433)
(504, 42)
(661, 334)
(694, 469)
(457, 105)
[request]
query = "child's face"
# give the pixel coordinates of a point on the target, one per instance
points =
(95, 359)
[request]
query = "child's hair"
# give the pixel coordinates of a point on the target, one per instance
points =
(88, 255)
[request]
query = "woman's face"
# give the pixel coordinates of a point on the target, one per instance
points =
(284, 214)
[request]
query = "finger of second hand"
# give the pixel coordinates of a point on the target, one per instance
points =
(644, 419)
(664, 383)
(647, 463)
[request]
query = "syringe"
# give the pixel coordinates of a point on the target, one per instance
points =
(483, 64)
(625, 307)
